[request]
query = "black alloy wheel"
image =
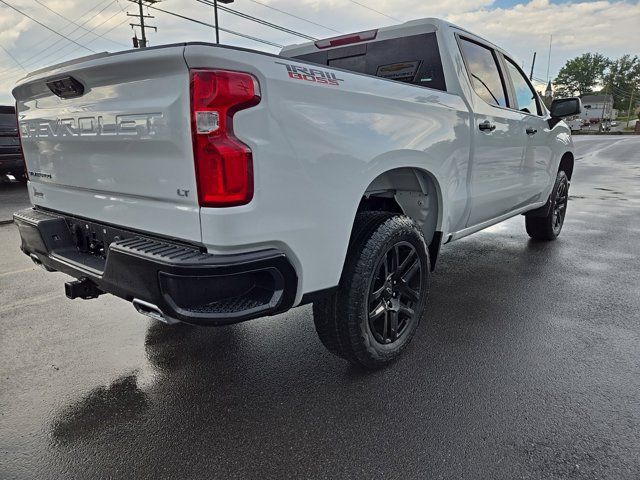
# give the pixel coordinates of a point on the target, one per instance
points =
(560, 206)
(548, 225)
(382, 295)
(394, 291)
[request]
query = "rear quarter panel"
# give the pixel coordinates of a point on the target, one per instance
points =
(318, 146)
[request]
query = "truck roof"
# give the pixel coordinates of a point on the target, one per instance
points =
(412, 27)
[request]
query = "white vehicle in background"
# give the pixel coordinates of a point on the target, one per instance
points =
(576, 124)
(209, 184)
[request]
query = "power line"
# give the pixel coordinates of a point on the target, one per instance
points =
(258, 20)
(377, 11)
(295, 16)
(33, 60)
(45, 26)
(95, 39)
(263, 22)
(249, 37)
(50, 35)
(13, 58)
(73, 22)
(255, 39)
(616, 89)
(55, 60)
(620, 91)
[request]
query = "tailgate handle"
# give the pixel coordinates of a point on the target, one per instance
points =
(66, 87)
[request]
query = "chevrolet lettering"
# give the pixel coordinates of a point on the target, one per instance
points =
(137, 124)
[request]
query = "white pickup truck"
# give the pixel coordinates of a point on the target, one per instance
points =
(210, 185)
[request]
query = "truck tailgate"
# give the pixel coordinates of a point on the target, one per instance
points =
(118, 148)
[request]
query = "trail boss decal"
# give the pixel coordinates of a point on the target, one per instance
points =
(309, 74)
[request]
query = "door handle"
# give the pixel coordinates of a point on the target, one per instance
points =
(487, 126)
(531, 131)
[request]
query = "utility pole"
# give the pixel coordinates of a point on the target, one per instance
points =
(142, 43)
(215, 16)
(549, 59)
(604, 105)
(629, 109)
(532, 65)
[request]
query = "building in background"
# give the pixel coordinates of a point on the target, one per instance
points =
(597, 107)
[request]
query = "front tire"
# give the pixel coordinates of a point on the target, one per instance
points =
(549, 227)
(382, 294)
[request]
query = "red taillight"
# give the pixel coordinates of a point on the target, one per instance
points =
(347, 39)
(224, 165)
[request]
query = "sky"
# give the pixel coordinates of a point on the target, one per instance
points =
(609, 27)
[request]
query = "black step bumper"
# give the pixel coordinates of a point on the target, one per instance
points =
(182, 281)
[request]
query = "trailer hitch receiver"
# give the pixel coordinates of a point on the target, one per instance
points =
(82, 288)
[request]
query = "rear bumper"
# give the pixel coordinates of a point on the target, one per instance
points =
(182, 281)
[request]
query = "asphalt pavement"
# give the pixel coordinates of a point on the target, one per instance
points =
(525, 366)
(13, 196)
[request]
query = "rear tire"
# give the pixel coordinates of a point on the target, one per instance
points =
(549, 227)
(382, 294)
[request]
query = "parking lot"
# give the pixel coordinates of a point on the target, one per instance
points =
(526, 365)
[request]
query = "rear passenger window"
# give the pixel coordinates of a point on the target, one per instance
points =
(483, 70)
(414, 59)
(526, 98)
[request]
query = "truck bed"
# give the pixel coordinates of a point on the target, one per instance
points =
(316, 146)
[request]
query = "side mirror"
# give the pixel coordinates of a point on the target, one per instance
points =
(565, 107)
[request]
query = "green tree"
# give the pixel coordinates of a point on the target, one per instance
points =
(622, 78)
(579, 75)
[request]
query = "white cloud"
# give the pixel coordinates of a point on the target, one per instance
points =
(12, 24)
(609, 27)
(404, 9)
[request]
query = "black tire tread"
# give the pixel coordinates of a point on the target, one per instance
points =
(325, 310)
(337, 318)
(541, 228)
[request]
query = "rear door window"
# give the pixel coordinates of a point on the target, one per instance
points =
(414, 59)
(483, 69)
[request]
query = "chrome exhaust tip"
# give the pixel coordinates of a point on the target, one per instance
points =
(38, 262)
(152, 311)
